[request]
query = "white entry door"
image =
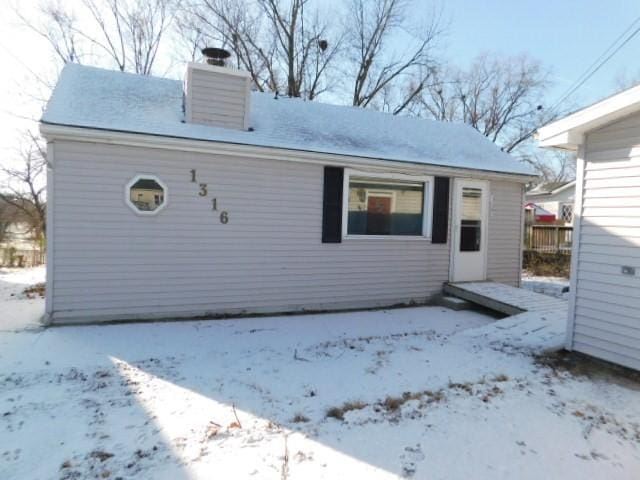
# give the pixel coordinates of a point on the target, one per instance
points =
(470, 218)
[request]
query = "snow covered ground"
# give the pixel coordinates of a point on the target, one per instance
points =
(17, 309)
(552, 286)
(420, 392)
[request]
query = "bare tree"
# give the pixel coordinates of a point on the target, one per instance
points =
(128, 32)
(437, 100)
(235, 25)
(8, 217)
(189, 36)
(379, 72)
(498, 96)
(59, 29)
(624, 80)
(552, 165)
(282, 46)
(24, 184)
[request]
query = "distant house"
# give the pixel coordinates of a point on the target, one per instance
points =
(604, 313)
(19, 243)
(555, 198)
(535, 214)
(172, 199)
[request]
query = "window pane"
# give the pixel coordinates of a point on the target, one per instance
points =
(385, 207)
(147, 194)
(567, 212)
(471, 223)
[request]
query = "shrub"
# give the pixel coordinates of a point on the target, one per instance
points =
(546, 264)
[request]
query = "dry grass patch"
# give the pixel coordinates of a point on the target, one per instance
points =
(300, 418)
(393, 404)
(339, 412)
(580, 365)
(35, 291)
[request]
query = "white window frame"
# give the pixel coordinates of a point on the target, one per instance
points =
(132, 206)
(427, 206)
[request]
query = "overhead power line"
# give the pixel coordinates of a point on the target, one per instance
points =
(600, 61)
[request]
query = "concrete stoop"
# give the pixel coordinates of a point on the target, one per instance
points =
(453, 303)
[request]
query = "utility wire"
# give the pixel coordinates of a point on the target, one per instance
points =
(595, 66)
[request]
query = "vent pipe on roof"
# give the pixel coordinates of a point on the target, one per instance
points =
(216, 56)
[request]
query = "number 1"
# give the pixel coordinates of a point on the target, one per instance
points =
(193, 176)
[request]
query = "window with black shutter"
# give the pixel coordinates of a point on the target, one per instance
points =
(440, 225)
(332, 205)
(386, 205)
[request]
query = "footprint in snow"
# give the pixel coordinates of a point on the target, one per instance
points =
(412, 455)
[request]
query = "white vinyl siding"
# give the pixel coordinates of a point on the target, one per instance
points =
(505, 232)
(111, 263)
(607, 303)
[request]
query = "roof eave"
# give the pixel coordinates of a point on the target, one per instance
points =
(568, 132)
(569, 140)
(564, 187)
(51, 131)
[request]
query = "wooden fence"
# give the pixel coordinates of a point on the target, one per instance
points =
(548, 238)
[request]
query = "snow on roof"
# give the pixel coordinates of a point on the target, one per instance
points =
(111, 100)
(549, 188)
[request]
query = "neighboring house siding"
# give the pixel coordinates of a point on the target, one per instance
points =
(552, 203)
(607, 308)
(505, 232)
(111, 263)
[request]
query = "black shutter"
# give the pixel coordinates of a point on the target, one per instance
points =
(440, 210)
(332, 205)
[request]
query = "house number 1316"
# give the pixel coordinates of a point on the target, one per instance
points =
(203, 192)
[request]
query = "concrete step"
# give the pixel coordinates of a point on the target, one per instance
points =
(454, 303)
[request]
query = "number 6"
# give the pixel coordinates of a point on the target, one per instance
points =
(224, 218)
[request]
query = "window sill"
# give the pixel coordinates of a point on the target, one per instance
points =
(411, 238)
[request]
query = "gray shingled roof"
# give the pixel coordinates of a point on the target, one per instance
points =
(111, 100)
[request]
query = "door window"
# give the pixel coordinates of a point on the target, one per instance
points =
(471, 220)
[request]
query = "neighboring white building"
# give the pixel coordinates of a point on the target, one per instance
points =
(604, 313)
(172, 200)
(556, 198)
(19, 245)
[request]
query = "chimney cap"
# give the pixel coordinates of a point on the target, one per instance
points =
(215, 53)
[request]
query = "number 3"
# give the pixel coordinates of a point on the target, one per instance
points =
(203, 190)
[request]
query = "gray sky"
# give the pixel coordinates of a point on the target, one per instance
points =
(566, 36)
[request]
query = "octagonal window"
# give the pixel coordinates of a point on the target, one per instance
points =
(146, 194)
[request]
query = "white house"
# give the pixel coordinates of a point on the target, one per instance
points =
(556, 198)
(180, 200)
(19, 242)
(604, 312)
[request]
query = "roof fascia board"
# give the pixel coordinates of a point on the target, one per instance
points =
(589, 118)
(564, 140)
(564, 187)
(63, 132)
